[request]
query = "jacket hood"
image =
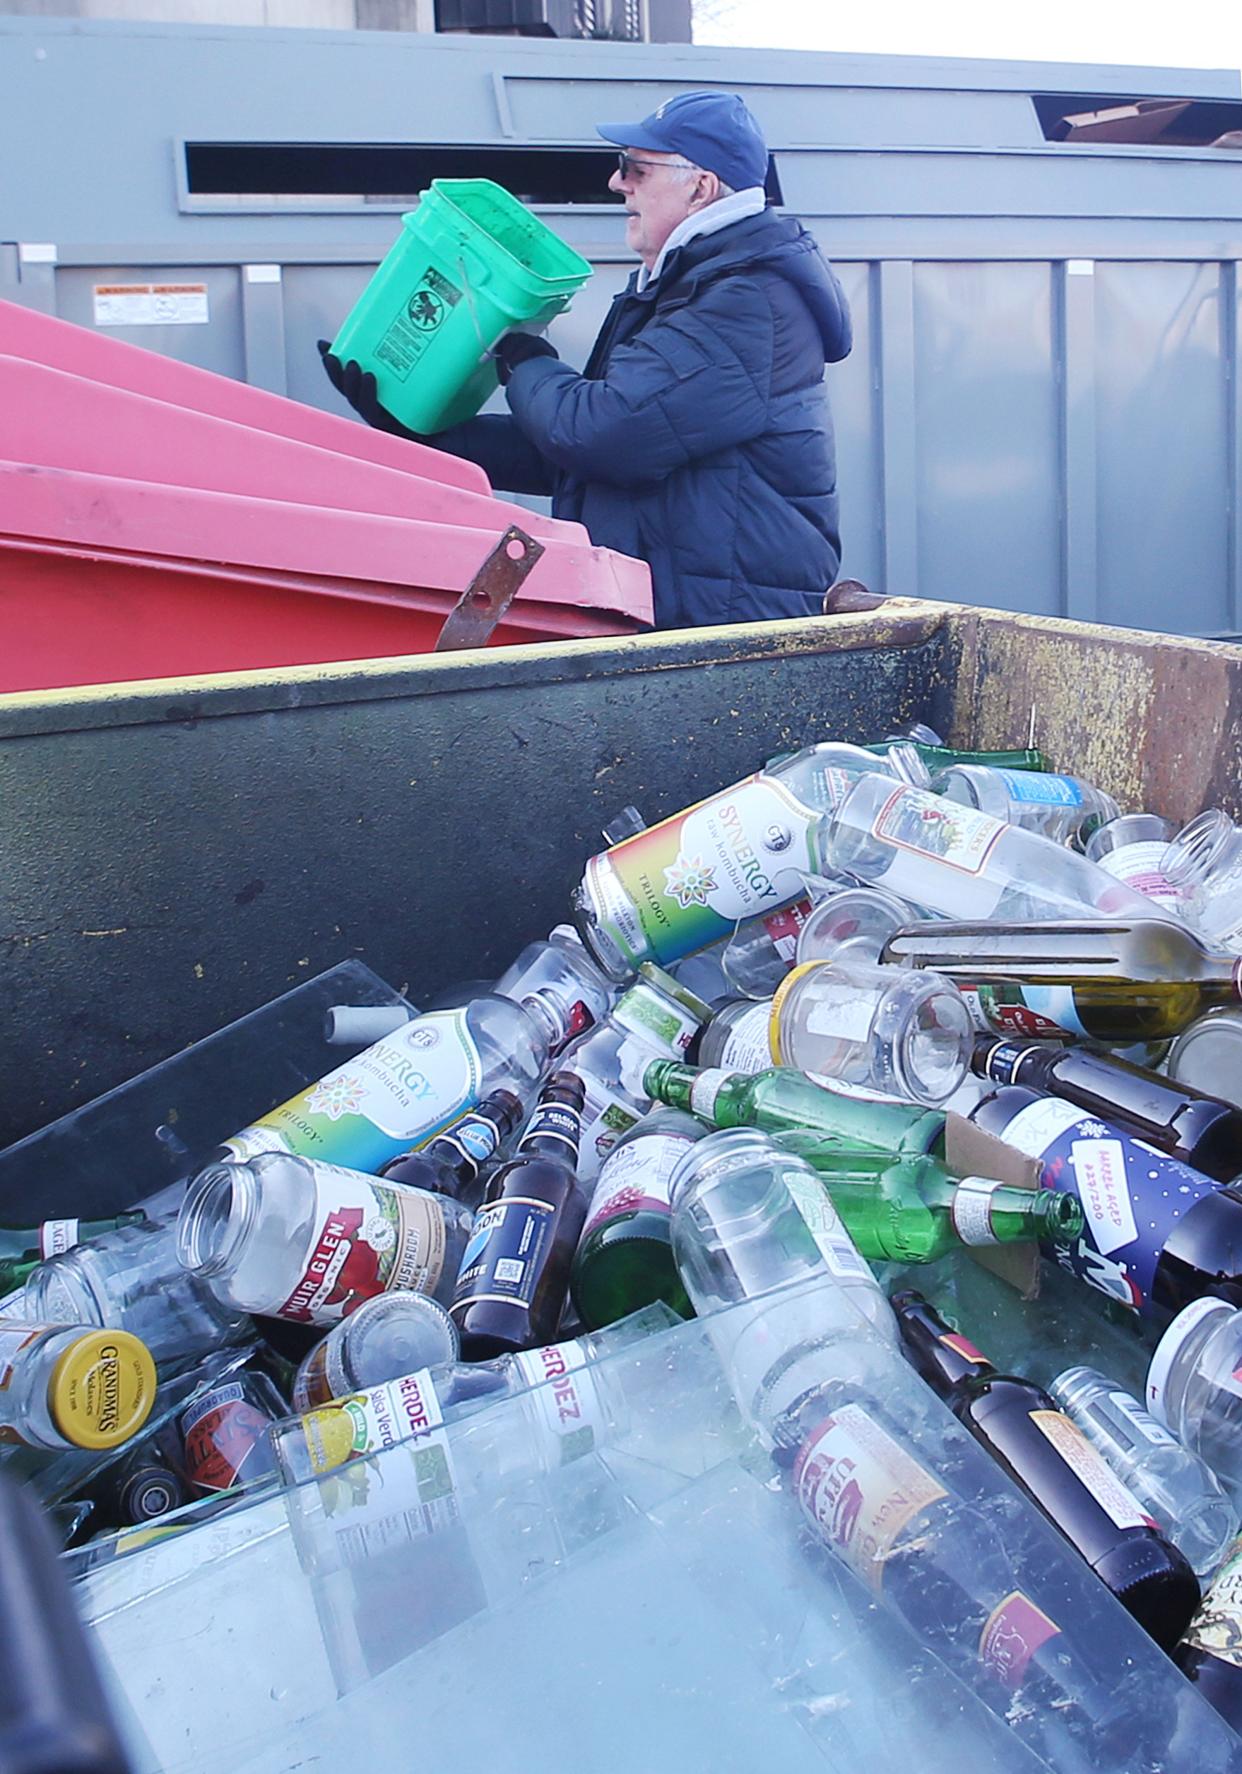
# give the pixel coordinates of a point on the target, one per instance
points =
(779, 243)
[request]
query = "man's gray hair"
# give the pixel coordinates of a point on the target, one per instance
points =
(687, 172)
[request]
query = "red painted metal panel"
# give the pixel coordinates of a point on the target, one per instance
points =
(55, 419)
(105, 579)
(42, 339)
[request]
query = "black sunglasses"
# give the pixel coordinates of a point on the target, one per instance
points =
(626, 163)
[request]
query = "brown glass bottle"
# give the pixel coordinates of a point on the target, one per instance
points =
(1045, 1453)
(514, 1271)
(450, 1163)
(1200, 1130)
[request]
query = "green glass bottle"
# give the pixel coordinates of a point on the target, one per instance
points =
(943, 757)
(914, 1211)
(625, 1257)
(781, 1099)
(23, 1248)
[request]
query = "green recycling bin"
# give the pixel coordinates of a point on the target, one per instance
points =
(470, 262)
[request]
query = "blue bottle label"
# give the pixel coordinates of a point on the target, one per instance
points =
(1044, 790)
(506, 1252)
(1133, 1197)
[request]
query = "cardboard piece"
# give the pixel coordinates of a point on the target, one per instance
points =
(969, 1151)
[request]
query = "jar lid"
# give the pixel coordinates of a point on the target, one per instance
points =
(1168, 1348)
(102, 1389)
(1208, 1055)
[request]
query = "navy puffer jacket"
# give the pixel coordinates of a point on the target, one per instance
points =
(698, 437)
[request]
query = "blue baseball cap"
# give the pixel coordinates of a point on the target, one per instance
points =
(716, 130)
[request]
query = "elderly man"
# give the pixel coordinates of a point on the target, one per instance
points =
(698, 436)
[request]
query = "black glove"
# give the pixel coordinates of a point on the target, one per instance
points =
(357, 386)
(514, 349)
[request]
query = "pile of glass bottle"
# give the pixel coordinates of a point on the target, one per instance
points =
(740, 1066)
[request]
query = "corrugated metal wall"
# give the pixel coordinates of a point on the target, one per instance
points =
(1042, 410)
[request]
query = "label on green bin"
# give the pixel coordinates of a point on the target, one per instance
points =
(417, 322)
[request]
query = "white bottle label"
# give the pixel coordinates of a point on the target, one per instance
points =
(704, 1091)
(368, 1237)
(1141, 1421)
(56, 1237)
(1033, 1129)
(824, 1223)
(1138, 865)
(686, 882)
(928, 825)
(565, 1395)
(1088, 1465)
(971, 1210)
(860, 1489)
(636, 1177)
(748, 1047)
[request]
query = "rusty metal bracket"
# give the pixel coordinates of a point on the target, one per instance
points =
(487, 597)
(849, 596)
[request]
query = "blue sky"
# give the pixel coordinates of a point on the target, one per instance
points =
(1190, 34)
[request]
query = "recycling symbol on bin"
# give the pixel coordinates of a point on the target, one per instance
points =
(426, 310)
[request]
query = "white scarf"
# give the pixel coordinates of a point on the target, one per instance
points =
(725, 210)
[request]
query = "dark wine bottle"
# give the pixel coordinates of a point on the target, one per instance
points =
(1157, 1234)
(1048, 1456)
(514, 1271)
(1188, 1124)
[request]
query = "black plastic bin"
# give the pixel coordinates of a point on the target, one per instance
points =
(176, 853)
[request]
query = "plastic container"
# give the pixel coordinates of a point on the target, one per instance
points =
(470, 262)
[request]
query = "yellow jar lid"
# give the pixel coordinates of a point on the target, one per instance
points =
(102, 1389)
(782, 992)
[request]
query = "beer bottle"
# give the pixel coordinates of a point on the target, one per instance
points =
(1045, 1453)
(514, 1272)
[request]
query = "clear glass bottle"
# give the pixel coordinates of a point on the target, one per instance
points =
(964, 863)
(761, 950)
(23, 1249)
(753, 1223)
(870, 1458)
(656, 1018)
(560, 972)
(72, 1385)
(132, 1280)
(1204, 861)
(855, 924)
(1117, 980)
(291, 1238)
(686, 882)
(411, 1085)
(1210, 1655)
(390, 1335)
(779, 1100)
(514, 1272)
(1193, 1386)
(624, 1258)
(569, 1404)
(1175, 1486)
(1131, 848)
(1059, 807)
(904, 1032)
